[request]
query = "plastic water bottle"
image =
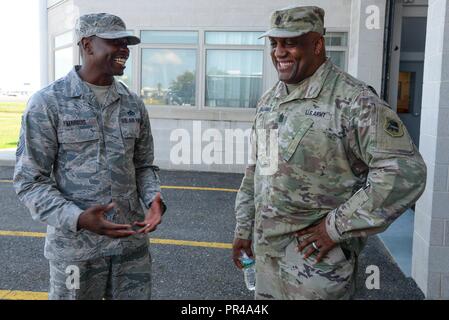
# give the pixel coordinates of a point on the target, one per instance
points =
(249, 271)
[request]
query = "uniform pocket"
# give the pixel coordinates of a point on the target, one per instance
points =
(79, 149)
(78, 135)
(130, 130)
(301, 131)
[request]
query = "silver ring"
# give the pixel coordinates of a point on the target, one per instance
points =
(315, 246)
(147, 225)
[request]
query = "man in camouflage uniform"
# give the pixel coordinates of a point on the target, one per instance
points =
(84, 160)
(346, 168)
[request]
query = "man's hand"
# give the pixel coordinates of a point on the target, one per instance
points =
(93, 220)
(318, 238)
(237, 247)
(153, 217)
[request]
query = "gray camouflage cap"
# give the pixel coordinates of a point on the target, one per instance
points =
(103, 25)
(295, 21)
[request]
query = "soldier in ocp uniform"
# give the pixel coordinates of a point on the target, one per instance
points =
(346, 169)
(84, 163)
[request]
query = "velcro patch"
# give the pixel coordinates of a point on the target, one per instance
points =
(70, 123)
(393, 127)
(130, 120)
(392, 135)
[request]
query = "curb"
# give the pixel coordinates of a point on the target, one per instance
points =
(7, 157)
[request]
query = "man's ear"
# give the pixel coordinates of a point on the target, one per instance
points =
(319, 46)
(86, 46)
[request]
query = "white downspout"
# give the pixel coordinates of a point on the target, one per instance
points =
(43, 28)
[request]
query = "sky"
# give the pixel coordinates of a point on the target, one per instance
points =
(19, 50)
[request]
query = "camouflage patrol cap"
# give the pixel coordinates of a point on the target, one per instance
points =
(103, 25)
(295, 21)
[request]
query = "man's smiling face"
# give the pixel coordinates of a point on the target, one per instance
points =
(294, 58)
(110, 55)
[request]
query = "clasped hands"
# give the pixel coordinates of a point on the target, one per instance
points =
(93, 220)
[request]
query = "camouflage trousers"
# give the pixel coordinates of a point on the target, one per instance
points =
(121, 277)
(292, 277)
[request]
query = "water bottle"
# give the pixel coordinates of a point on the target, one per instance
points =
(249, 271)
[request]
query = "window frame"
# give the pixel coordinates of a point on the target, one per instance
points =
(344, 49)
(199, 111)
(54, 49)
(142, 46)
(230, 47)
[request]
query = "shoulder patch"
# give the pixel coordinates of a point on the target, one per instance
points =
(393, 127)
(392, 136)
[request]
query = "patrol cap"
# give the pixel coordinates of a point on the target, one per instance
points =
(295, 21)
(103, 25)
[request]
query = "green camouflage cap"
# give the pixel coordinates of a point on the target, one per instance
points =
(295, 21)
(103, 25)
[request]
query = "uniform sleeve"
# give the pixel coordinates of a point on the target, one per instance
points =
(36, 153)
(148, 182)
(244, 203)
(396, 171)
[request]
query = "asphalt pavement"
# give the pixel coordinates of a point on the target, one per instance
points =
(190, 251)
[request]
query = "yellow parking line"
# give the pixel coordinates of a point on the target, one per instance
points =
(217, 245)
(176, 187)
(22, 295)
(22, 234)
(199, 188)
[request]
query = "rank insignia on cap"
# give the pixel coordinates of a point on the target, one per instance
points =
(393, 127)
(278, 20)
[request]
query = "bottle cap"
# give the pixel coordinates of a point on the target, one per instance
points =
(245, 260)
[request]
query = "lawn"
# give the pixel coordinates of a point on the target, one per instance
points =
(10, 118)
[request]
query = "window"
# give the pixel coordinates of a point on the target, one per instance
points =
(336, 46)
(169, 37)
(231, 64)
(63, 54)
(169, 60)
(405, 92)
(168, 76)
(233, 37)
(233, 76)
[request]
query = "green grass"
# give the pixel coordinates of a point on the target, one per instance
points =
(10, 118)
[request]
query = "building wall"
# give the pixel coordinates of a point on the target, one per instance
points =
(430, 267)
